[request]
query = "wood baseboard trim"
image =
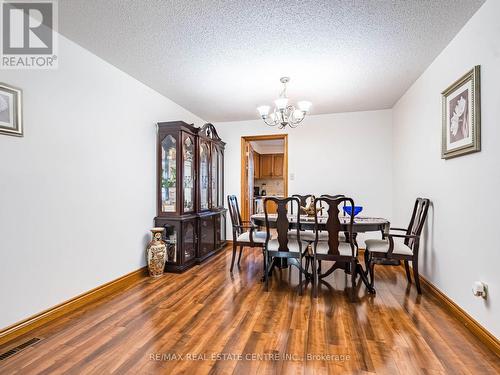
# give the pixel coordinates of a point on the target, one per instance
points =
(20, 328)
(469, 322)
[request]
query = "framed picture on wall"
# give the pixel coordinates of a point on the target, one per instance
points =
(10, 110)
(462, 116)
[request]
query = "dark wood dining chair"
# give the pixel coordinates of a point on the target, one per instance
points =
(344, 254)
(342, 235)
(379, 251)
(245, 234)
(332, 196)
(292, 249)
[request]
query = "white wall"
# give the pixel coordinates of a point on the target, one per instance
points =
(463, 236)
(347, 153)
(77, 192)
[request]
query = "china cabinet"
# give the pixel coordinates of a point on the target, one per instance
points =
(190, 193)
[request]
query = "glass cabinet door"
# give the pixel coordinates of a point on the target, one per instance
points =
(214, 165)
(204, 176)
(222, 224)
(188, 170)
(207, 239)
(189, 240)
(220, 180)
(168, 174)
(170, 238)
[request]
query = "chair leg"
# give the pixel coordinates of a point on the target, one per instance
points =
(407, 269)
(315, 278)
(414, 264)
(353, 278)
(366, 257)
(266, 272)
(239, 257)
(354, 236)
(264, 263)
(234, 256)
(371, 271)
(300, 276)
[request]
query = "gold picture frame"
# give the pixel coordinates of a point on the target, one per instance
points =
(461, 128)
(11, 119)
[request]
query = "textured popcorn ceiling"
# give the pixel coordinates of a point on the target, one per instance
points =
(221, 59)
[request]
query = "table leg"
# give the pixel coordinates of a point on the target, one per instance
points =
(281, 263)
(274, 263)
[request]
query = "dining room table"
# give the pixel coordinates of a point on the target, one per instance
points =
(361, 224)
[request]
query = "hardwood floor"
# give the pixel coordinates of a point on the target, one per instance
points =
(206, 312)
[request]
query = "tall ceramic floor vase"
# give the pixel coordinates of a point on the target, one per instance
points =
(156, 253)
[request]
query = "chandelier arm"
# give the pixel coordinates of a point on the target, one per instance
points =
(301, 119)
(297, 121)
(291, 113)
(274, 123)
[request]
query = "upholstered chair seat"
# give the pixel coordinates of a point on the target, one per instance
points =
(293, 245)
(257, 236)
(308, 235)
(344, 248)
(382, 246)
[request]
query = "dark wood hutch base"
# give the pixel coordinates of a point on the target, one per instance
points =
(190, 193)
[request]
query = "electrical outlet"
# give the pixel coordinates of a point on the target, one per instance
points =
(480, 289)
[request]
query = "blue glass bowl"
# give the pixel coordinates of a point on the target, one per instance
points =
(357, 210)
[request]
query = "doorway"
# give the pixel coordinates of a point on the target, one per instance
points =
(264, 164)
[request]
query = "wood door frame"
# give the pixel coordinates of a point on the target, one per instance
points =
(244, 184)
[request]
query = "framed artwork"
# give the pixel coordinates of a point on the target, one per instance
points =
(11, 122)
(462, 116)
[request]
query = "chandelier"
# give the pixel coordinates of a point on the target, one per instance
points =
(284, 114)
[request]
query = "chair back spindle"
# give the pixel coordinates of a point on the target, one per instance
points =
(333, 225)
(284, 205)
(417, 221)
(334, 197)
(234, 213)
